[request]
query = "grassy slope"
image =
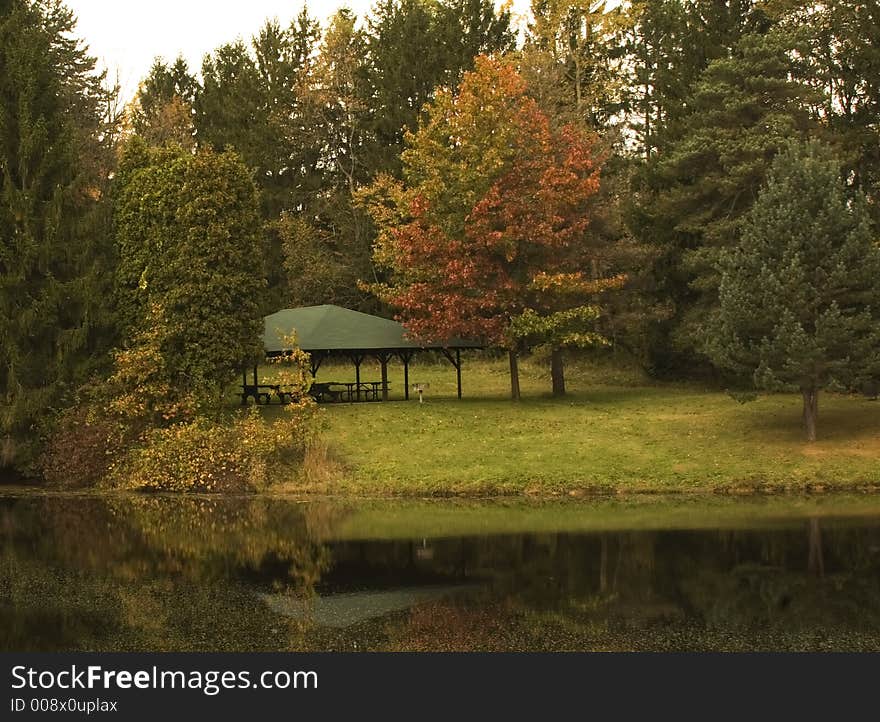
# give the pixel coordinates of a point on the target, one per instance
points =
(613, 433)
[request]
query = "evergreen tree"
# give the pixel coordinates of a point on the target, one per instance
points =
(190, 277)
(232, 111)
(669, 44)
(162, 111)
(56, 136)
(689, 201)
(257, 100)
(840, 44)
(799, 301)
(415, 46)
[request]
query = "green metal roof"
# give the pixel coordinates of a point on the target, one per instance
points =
(332, 328)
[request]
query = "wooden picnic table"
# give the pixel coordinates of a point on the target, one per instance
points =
(325, 392)
(371, 390)
(253, 391)
(265, 392)
(331, 391)
(351, 391)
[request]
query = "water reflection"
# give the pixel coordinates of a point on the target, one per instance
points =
(165, 573)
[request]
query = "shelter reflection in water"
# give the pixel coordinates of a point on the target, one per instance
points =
(195, 573)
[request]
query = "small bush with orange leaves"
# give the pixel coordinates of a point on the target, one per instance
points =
(79, 450)
(137, 431)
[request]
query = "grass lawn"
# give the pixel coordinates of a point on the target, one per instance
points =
(614, 432)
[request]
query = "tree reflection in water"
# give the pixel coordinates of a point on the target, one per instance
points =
(257, 573)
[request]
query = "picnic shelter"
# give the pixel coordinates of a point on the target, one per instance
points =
(329, 331)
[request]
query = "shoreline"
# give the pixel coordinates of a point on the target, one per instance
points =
(575, 494)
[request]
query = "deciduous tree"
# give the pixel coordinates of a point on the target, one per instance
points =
(481, 236)
(574, 61)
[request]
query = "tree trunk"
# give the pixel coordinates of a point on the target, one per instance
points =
(557, 372)
(811, 412)
(514, 376)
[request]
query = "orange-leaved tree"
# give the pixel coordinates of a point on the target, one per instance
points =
(484, 236)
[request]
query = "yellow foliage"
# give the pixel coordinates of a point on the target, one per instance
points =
(576, 283)
(205, 456)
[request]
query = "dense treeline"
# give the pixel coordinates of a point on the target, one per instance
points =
(315, 114)
(679, 107)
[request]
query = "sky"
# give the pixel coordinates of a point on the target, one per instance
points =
(125, 36)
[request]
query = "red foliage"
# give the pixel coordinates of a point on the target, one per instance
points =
(527, 225)
(80, 450)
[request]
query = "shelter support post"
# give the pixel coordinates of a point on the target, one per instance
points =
(357, 359)
(383, 360)
(316, 358)
(255, 375)
(456, 362)
(406, 357)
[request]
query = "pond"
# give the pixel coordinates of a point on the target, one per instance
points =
(86, 572)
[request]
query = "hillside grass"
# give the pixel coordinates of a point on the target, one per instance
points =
(614, 432)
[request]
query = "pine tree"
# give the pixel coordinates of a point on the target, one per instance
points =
(162, 111)
(56, 131)
(668, 45)
(256, 99)
(840, 45)
(799, 300)
(690, 199)
(414, 47)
